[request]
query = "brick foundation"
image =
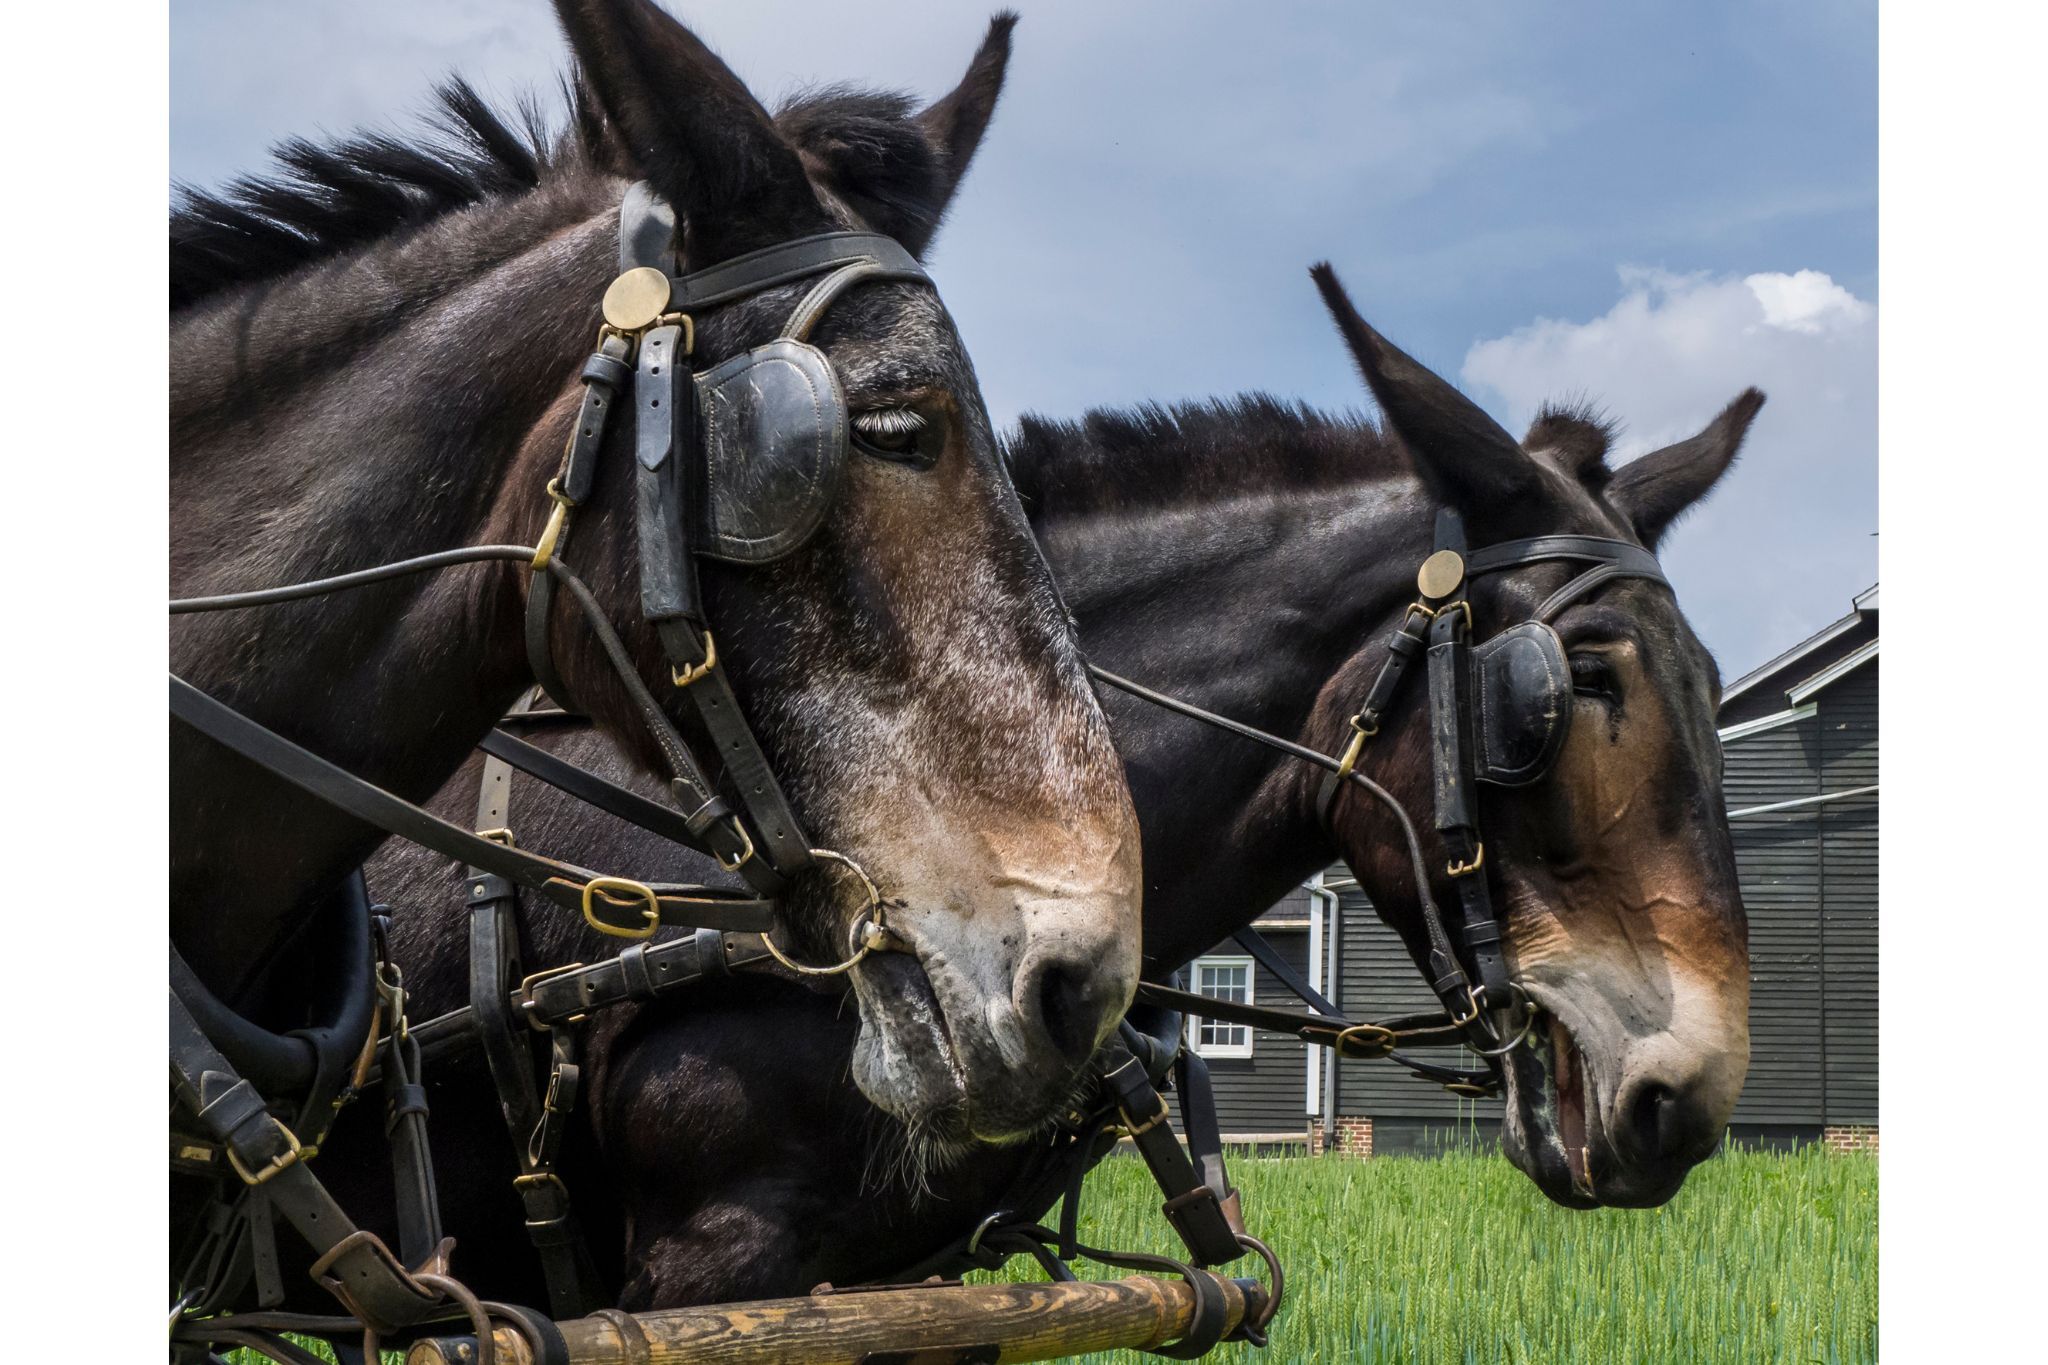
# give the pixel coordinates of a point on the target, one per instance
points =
(1354, 1138)
(1850, 1138)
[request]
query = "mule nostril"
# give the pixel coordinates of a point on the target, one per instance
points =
(1067, 1008)
(1663, 1123)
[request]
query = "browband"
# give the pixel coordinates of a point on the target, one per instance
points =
(784, 263)
(1612, 559)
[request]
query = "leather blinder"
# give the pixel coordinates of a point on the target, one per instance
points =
(1522, 704)
(773, 423)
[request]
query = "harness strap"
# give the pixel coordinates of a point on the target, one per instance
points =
(668, 518)
(645, 971)
(632, 909)
(1197, 1102)
(1457, 817)
(507, 752)
(1194, 1208)
(605, 374)
(352, 1263)
(573, 1284)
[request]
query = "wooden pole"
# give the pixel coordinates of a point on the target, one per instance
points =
(909, 1325)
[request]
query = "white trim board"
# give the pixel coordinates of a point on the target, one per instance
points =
(1834, 672)
(1770, 722)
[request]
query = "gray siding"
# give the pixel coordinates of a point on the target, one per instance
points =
(1809, 882)
(1379, 982)
(1847, 713)
(1264, 1093)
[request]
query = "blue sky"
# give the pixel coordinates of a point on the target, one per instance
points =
(1651, 205)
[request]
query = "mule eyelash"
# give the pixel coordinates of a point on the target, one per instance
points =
(1593, 677)
(889, 422)
(899, 435)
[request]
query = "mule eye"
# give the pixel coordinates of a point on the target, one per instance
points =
(900, 435)
(1593, 676)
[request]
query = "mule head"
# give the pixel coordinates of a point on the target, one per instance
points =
(907, 667)
(1613, 875)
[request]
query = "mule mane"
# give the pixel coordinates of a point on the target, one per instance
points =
(1157, 456)
(327, 199)
(1119, 459)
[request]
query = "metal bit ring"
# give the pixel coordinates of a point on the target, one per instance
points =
(869, 929)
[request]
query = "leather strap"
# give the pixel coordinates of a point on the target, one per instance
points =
(509, 751)
(787, 262)
(644, 972)
(1192, 1206)
(356, 1267)
(571, 1277)
(561, 883)
(670, 513)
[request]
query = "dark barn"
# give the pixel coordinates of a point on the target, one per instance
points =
(1800, 738)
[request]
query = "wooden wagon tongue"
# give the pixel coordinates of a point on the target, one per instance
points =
(923, 1324)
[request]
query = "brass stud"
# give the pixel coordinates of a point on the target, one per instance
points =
(635, 299)
(1441, 573)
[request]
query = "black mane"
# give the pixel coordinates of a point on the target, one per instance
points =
(1115, 459)
(324, 200)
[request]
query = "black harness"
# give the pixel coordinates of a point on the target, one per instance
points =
(739, 463)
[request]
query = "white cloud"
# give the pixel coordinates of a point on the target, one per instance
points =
(1783, 544)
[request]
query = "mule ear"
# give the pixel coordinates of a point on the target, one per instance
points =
(1652, 491)
(689, 125)
(1460, 452)
(955, 123)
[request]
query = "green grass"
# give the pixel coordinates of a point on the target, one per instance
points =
(1458, 1259)
(1761, 1257)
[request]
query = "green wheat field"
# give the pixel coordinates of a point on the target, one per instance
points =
(1761, 1257)
(1458, 1259)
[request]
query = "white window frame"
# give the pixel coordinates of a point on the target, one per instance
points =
(1251, 974)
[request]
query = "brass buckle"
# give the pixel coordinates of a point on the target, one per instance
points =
(1376, 1038)
(500, 835)
(1460, 605)
(684, 321)
(1138, 1130)
(746, 854)
(281, 1162)
(633, 893)
(1458, 869)
(557, 519)
(1472, 999)
(684, 677)
(1356, 747)
(527, 1002)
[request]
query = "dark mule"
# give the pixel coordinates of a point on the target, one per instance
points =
(376, 355)
(1255, 559)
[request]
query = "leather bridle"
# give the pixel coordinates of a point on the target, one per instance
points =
(644, 356)
(1480, 1000)
(644, 351)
